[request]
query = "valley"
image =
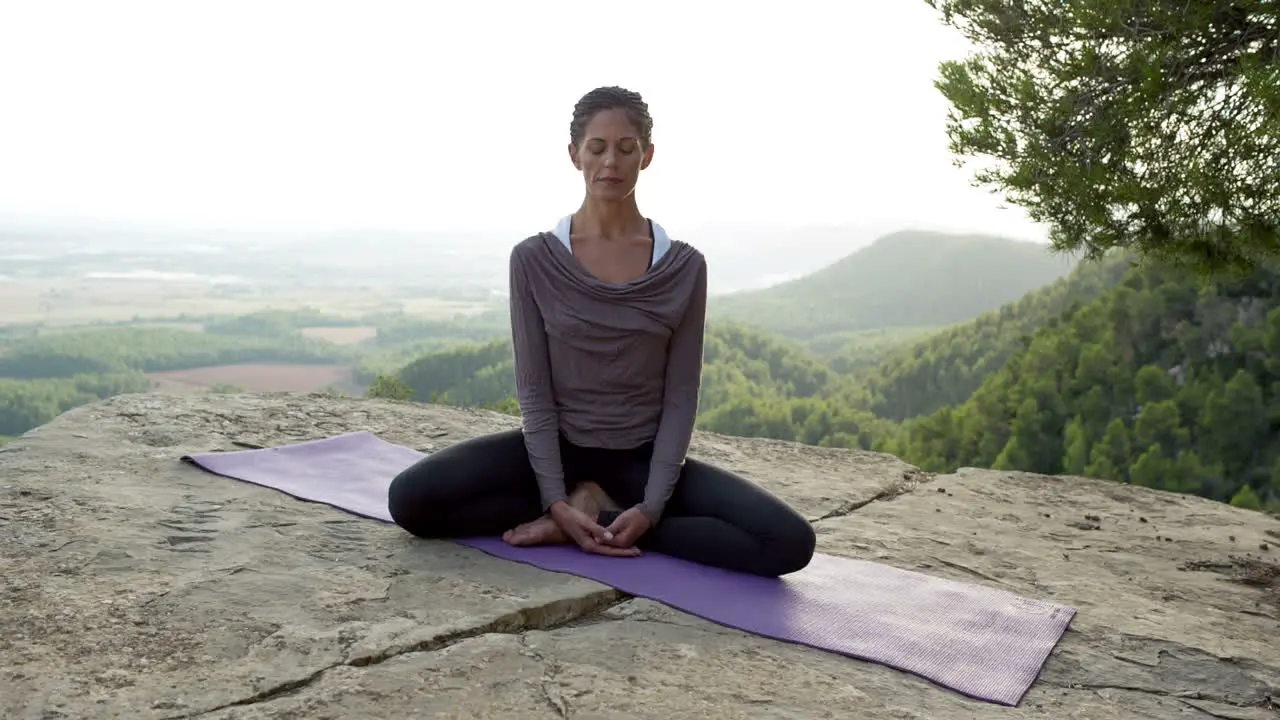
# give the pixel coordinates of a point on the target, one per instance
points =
(947, 350)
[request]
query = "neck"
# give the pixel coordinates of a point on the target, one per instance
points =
(610, 218)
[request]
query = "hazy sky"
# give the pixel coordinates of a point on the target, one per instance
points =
(455, 114)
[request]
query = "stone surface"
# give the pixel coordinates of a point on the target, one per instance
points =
(134, 586)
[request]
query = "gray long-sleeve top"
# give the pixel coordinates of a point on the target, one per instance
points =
(607, 365)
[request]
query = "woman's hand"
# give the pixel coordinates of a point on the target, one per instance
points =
(586, 532)
(627, 528)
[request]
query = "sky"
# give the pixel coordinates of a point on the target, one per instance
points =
(321, 115)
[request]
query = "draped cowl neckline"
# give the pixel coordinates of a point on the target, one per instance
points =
(663, 289)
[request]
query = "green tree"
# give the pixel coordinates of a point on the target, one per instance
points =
(1076, 459)
(1153, 126)
(1275, 479)
(25, 404)
(1246, 499)
(1234, 420)
(1153, 469)
(389, 387)
(1153, 385)
(1109, 459)
(1159, 424)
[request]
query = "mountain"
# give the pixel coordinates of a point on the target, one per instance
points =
(904, 279)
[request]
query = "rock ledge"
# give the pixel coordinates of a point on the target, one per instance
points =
(137, 587)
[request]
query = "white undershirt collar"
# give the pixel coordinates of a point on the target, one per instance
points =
(661, 242)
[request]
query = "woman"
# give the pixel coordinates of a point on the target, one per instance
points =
(607, 317)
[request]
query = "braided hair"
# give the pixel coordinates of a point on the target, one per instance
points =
(609, 98)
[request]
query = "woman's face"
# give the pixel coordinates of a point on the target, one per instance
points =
(611, 155)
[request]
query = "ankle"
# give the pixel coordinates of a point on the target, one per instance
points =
(584, 501)
(602, 499)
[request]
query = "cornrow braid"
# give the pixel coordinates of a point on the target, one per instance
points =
(608, 98)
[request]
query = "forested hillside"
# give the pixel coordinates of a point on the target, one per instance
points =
(30, 403)
(1160, 382)
(1149, 128)
(475, 375)
(112, 350)
(905, 279)
(1130, 373)
(948, 366)
(738, 362)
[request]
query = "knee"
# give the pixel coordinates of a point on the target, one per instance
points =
(793, 547)
(409, 498)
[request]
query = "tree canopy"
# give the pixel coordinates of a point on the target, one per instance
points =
(1144, 124)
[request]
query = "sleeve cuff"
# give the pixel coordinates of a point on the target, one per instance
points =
(652, 511)
(551, 498)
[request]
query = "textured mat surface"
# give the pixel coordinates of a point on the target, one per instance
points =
(985, 643)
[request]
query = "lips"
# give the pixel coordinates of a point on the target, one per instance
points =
(611, 180)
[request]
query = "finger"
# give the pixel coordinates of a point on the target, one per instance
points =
(591, 526)
(614, 551)
(627, 549)
(581, 538)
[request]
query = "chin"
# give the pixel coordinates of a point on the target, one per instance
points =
(606, 192)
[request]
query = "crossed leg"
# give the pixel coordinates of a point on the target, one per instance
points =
(486, 486)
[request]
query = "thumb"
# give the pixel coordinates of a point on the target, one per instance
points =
(598, 532)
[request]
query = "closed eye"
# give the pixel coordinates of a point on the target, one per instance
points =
(626, 146)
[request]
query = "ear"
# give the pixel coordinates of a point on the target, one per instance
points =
(573, 156)
(648, 157)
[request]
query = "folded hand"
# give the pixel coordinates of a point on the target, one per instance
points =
(626, 530)
(586, 532)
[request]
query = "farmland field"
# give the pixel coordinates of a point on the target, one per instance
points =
(341, 335)
(255, 377)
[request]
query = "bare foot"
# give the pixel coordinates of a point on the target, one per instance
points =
(544, 531)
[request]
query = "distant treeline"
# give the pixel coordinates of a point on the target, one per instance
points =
(153, 350)
(31, 403)
(46, 371)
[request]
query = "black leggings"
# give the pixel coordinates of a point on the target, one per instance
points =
(486, 486)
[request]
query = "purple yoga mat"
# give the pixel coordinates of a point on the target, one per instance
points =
(985, 643)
